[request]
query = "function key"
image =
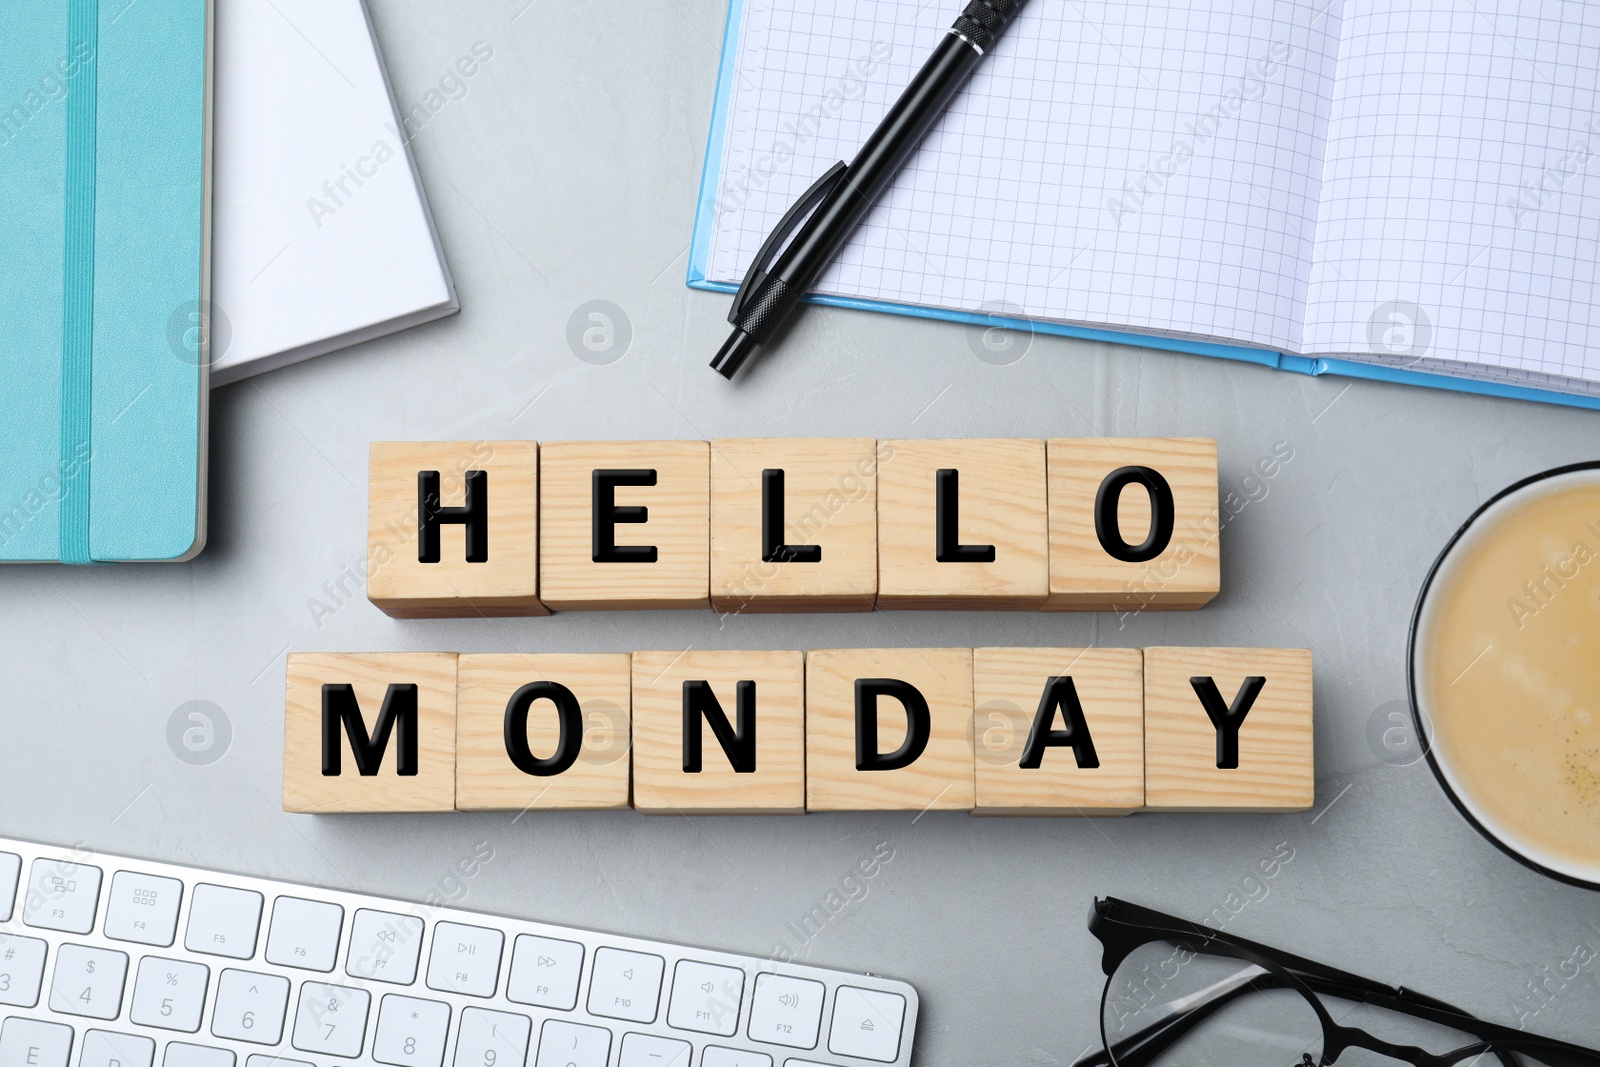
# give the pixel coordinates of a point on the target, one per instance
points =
(786, 1011)
(21, 970)
(465, 959)
(10, 868)
(304, 933)
(625, 985)
(223, 921)
(103, 1048)
(866, 1024)
(706, 998)
(384, 946)
(62, 896)
(544, 971)
(143, 908)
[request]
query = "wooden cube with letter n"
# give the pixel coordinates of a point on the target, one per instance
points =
(1228, 729)
(962, 524)
(542, 731)
(371, 731)
(889, 729)
(719, 732)
(1134, 523)
(627, 524)
(794, 524)
(453, 528)
(1058, 731)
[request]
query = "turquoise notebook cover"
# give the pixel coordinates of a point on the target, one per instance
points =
(700, 254)
(104, 222)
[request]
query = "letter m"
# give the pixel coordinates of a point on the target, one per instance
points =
(339, 708)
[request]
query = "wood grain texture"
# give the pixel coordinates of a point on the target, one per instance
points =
(941, 779)
(830, 501)
(1083, 576)
(1007, 684)
(506, 583)
(678, 525)
(487, 780)
(660, 784)
(1002, 503)
(1275, 772)
(433, 788)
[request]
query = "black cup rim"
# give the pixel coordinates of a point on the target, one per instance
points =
(1411, 672)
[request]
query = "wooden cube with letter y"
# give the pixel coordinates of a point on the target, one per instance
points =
(719, 732)
(1228, 729)
(370, 731)
(889, 729)
(453, 528)
(626, 524)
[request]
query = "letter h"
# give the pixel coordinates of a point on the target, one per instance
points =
(473, 514)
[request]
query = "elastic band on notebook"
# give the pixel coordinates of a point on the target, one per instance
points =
(77, 333)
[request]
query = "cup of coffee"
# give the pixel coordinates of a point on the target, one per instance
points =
(1504, 671)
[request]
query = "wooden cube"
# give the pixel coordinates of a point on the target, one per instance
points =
(748, 709)
(625, 524)
(986, 547)
(794, 524)
(1173, 563)
(490, 777)
(1058, 731)
(369, 731)
(850, 769)
(453, 528)
(1187, 757)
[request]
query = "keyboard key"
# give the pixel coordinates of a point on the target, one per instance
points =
(625, 985)
(261, 1060)
(717, 1056)
(705, 998)
(183, 1054)
(250, 1007)
(304, 933)
(88, 981)
(465, 959)
(223, 922)
(168, 994)
(568, 1045)
(30, 1043)
(786, 1011)
(102, 1048)
(143, 908)
(331, 1019)
(866, 1024)
(492, 1039)
(62, 896)
(10, 868)
(384, 946)
(21, 970)
(411, 1032)
(645, 1050)
(545, 971)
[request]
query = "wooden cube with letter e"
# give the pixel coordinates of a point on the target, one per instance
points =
(1228, 729)
(373, 731)
(453, 528)
(1134, 523)
(719, 732)
(626, 524)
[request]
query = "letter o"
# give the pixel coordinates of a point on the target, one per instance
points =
(1163, 514)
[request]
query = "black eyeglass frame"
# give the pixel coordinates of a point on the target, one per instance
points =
(1122, 928)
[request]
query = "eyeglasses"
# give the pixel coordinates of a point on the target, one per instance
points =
(1179, 994)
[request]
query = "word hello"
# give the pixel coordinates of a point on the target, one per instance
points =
(1088, 731)
(796, 524)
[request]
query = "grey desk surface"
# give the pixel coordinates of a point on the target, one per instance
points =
(568, 173)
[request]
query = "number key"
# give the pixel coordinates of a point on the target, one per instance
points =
(250, 1007)
(331, 1019)
(21, 970)
(168, 994)
(88, 981)
(492, 1039)
(411, 1032)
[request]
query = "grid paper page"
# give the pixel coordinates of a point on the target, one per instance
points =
(1144, 165)
(1461, 202)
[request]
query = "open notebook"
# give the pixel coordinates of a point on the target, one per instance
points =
(1400, 189)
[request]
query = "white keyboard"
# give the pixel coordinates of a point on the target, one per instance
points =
(108, 962)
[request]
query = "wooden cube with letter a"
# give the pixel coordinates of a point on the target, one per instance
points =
(542, 731)
(794, 524)
(962, 524)
(1134, 523)
(370, 731)
(626, 524)
(889, 729)
(1228, 729)
(453, 528)
(1058, 731)
(719, 732)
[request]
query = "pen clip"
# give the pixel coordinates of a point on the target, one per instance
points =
(780, 233)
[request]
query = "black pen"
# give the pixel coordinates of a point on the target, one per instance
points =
(768, 296)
